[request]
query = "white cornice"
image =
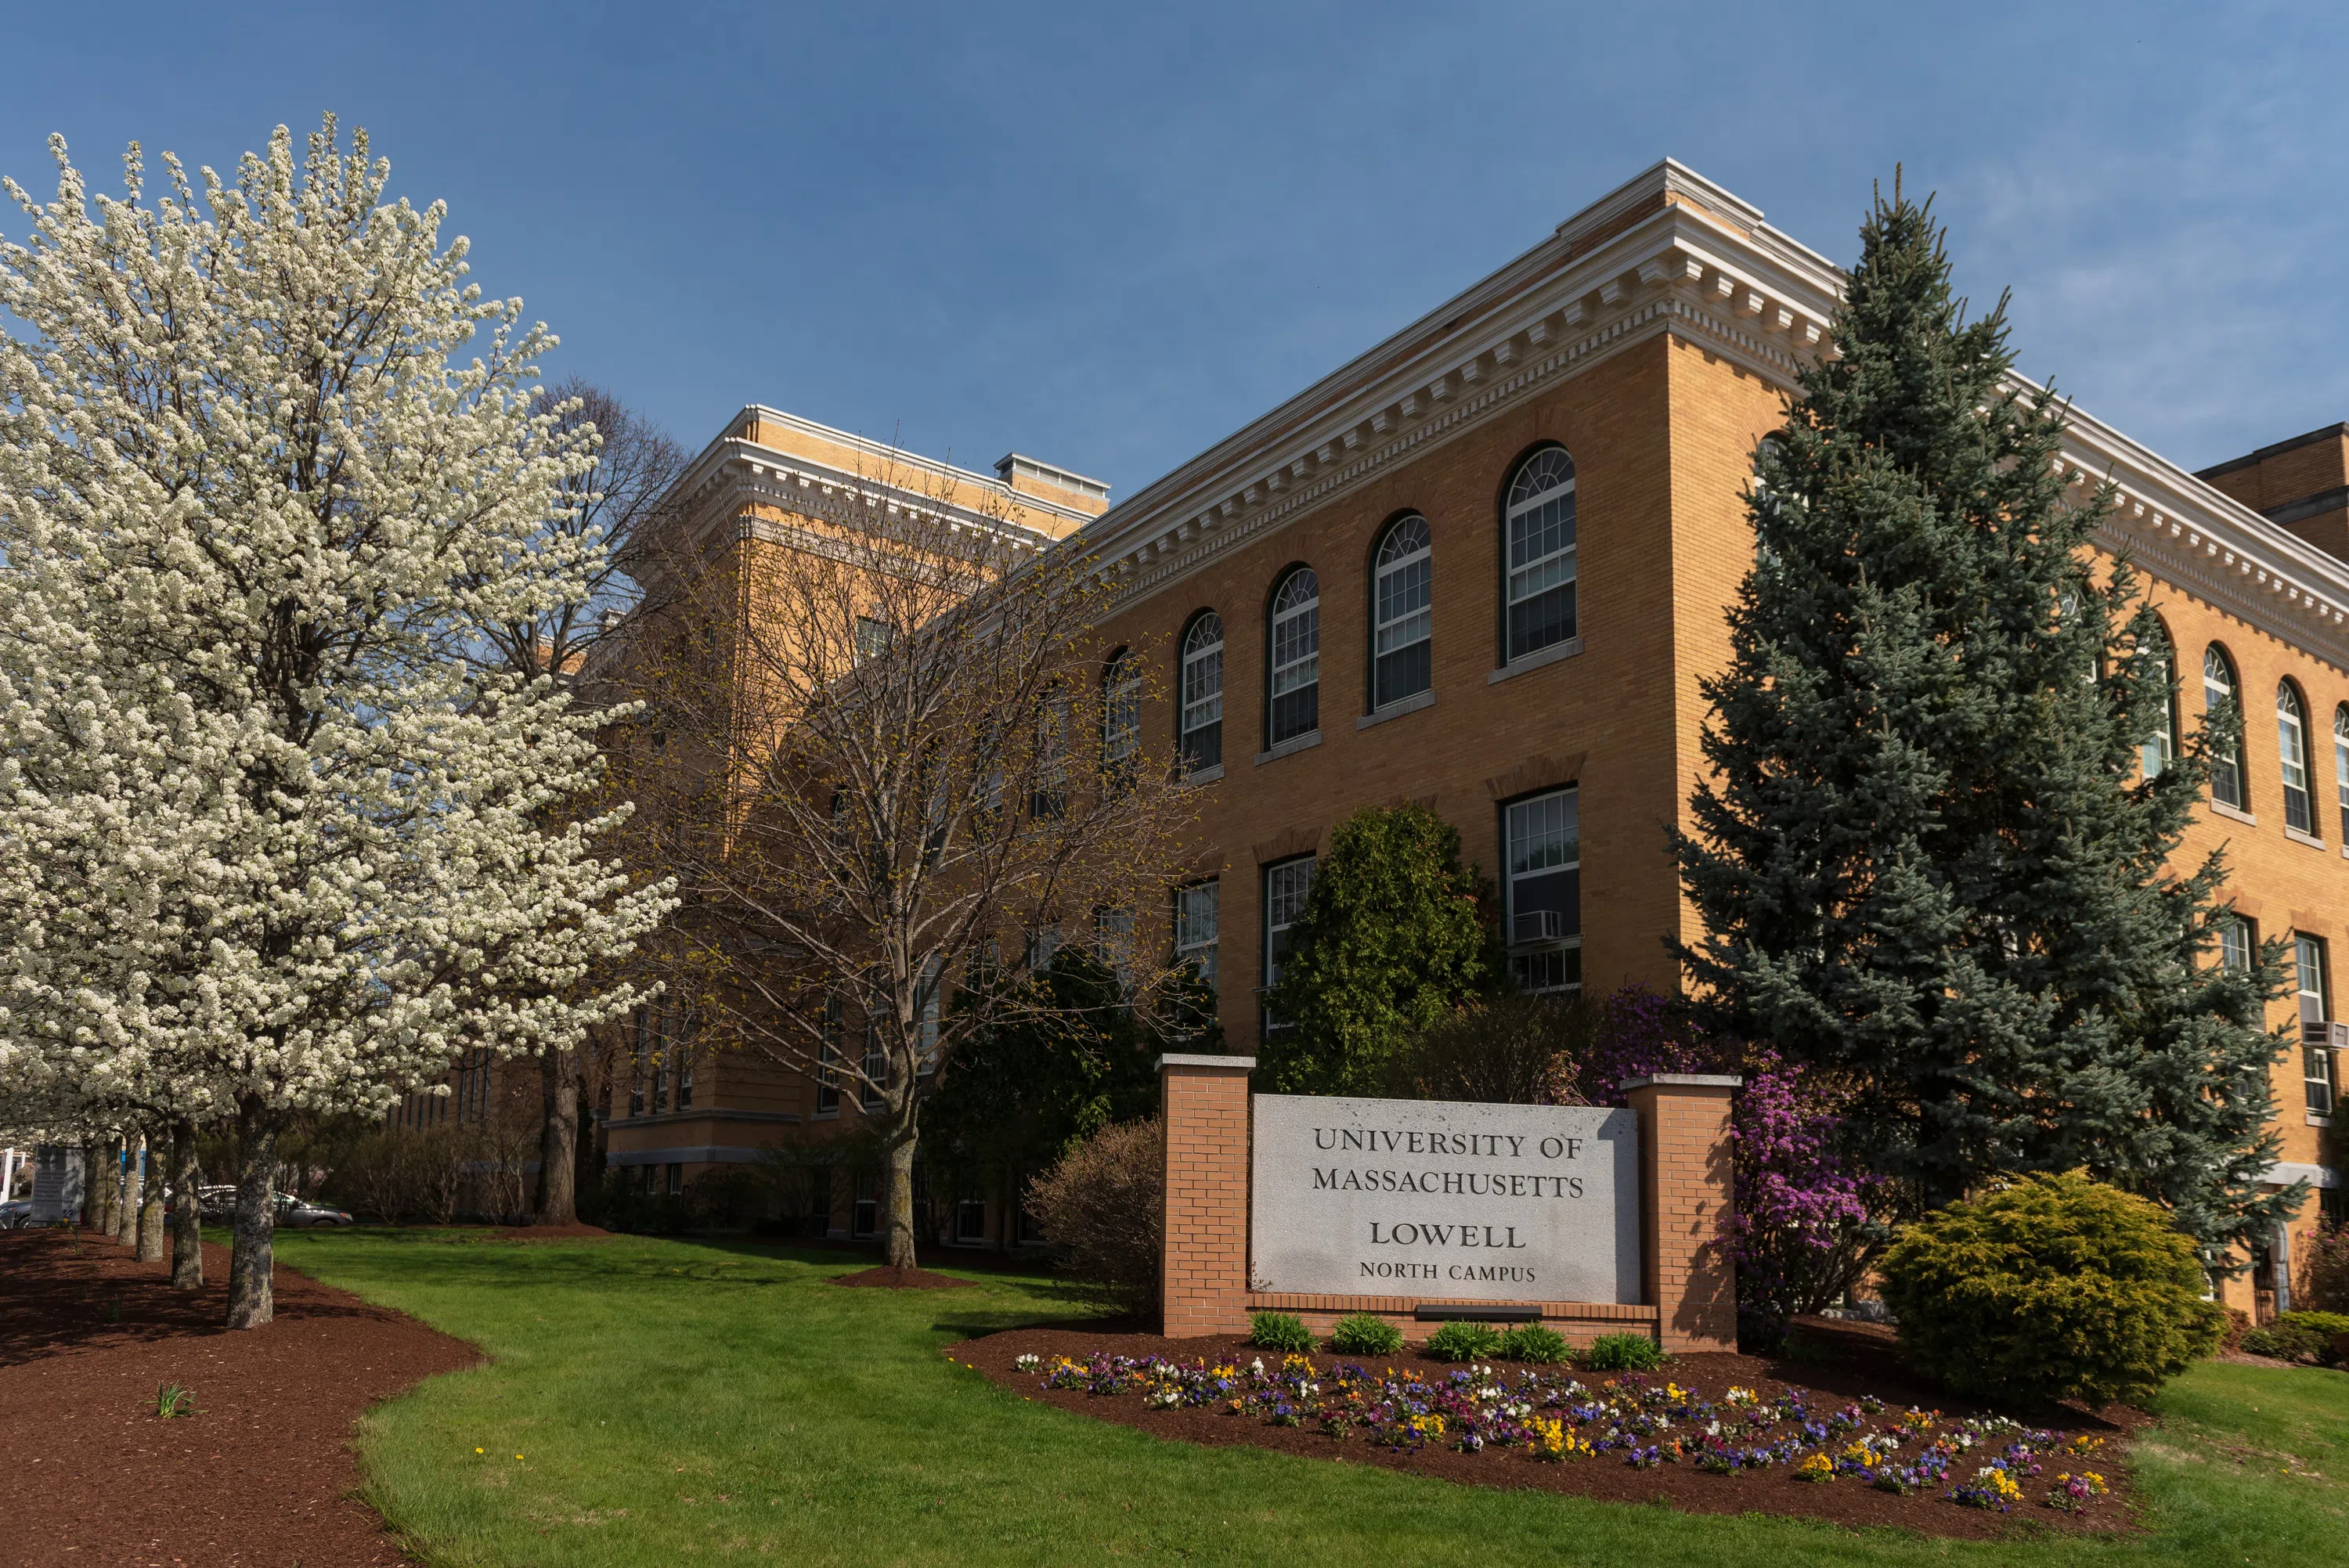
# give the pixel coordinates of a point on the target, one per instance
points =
(1702, 264)
(1610, 277)
(2192, 536)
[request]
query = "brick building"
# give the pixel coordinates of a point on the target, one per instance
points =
(1484, 566)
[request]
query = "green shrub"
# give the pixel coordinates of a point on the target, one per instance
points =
(1462, 1341)
(1532, 1342)
(1363, 1334)
(2056, 1287)
(1279, 1331)
(1623, 1353)
(1103, 1206)
(2299, 1336)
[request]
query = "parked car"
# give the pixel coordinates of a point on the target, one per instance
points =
(15, 1214)
(300, 1213)
(217, 1205)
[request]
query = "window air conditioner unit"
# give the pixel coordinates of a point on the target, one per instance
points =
(2337, 1036)
(1540, 926)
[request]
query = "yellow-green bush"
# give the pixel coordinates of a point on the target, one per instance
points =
(2055, 1287)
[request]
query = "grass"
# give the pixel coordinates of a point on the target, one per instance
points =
(679, 1402)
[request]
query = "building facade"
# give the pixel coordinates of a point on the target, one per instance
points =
(1484, 566)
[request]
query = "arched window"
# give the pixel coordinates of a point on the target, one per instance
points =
(1201, 721)
(1121, 710)
(2159, 747)
(2291, 750)
(1295, 668)
(1401, 648)
(1539, 523)
(2225, 743)
(2341, 765)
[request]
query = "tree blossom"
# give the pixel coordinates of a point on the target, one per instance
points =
(268, 838)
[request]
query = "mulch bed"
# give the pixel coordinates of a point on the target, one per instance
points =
(261, 1475)
(1854, 1361)
(888, 1278)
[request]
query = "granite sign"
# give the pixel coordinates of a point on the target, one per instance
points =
(1444, 1199)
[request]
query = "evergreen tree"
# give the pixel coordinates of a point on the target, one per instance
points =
(1045, 1074)
(1926, 856)
(1395, 937)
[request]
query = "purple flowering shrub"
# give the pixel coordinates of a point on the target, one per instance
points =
(1803, 1235)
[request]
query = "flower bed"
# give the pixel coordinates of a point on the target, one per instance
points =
(1719, 1421)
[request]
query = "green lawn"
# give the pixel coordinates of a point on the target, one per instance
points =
(681, 1402)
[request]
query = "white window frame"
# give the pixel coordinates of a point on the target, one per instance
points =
(1202, 689)
(2341, 766)
(2158, 750)
(1402, 607)
(1198, 923)
(1120, 709)
(1293, 655)
(1532, 576)
(1543, 961)
(2291, 750)
(2308, 979)
(2220, 685)
(2238, 943)
(1287, 885)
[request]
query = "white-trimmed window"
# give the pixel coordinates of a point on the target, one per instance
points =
(2341, 765)
(1539, 524)
(1287, 884)
(1401, 645)
(1121, 711)
(2159, 747)
(2225, 743)
(1198, 918)
(1114, 943)
(2291, 750)
(827, 1059)
(2317, 1048)
(1544, 891)
(1295, 668)
(1203, 692)
(2237, 943)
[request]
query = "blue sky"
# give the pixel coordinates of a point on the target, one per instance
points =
(1109, 235)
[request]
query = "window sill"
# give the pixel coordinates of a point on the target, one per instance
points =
(1397, 708)
(1205, 775)
(2236, 813)
(1534, 661)
(823, 1116)
(2316, 1120)
(1295, 743)
(2297, 837)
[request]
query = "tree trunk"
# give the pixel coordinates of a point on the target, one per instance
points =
(110, 1185)
(87, 1216)
(126, 1217)
(900, 1197)
(150, 1203)
(251, 1300)
(556, 1199)
(187, 1221)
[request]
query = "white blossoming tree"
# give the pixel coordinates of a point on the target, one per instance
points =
(269, 838)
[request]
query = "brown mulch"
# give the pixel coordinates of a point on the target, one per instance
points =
(888, 1278)
(261, 1475)
(1857, 1360)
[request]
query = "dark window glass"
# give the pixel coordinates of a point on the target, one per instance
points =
(1402, 617)
(1541, 565)
(1296, 662)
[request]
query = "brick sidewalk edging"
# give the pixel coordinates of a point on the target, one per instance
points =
(1686, 1275)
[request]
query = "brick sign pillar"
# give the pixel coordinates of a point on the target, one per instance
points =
(1203, 1256)
(1685, 1198)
